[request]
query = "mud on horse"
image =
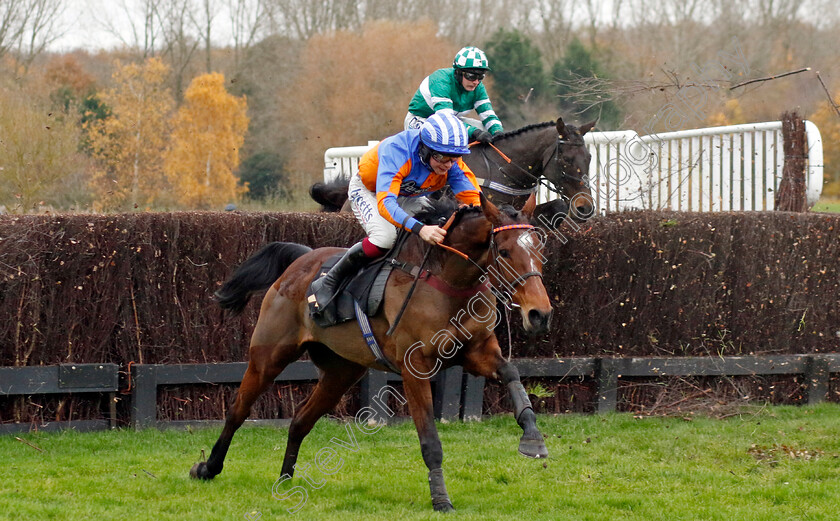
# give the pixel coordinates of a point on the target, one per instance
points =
(486, 236)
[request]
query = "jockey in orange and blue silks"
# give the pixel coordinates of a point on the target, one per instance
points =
(399, 167)
(393, 179)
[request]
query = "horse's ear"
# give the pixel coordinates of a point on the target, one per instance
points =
(530, 204)
(586, 128)
(561, 128)
(490, 210)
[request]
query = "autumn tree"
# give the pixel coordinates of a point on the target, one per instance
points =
(39, 161)
(208, 132)
(69, 82)
(129, 143)
(355, 86)
(827, 120)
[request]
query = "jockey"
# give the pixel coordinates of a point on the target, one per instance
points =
(458, 88)
(393, 181)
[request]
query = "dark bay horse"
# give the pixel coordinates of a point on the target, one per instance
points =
(457, 307)
(551, 153)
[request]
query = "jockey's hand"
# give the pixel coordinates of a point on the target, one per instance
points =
(432, 234)
(482, 136)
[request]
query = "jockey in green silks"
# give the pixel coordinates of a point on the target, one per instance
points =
(457, 88)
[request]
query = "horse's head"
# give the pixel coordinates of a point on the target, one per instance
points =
(502, 249)
(566, 166)
(516, 264)
(509, 252)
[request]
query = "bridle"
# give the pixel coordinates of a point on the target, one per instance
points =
(494, 248)
(419, 272)
(541, 179)
(495, 255)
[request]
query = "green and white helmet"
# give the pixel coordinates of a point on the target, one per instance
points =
(471, 58)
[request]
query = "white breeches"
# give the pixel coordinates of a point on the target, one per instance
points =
(379, 230)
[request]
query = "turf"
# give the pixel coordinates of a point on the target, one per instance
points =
(827, 205)
(778, 463)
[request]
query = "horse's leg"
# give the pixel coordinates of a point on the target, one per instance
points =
(487, 361)
(338, 375)
(418, 392)
(274, 345)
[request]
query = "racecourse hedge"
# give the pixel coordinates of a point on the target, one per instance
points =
(138, 287)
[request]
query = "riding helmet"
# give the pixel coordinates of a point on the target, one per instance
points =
(443, 132)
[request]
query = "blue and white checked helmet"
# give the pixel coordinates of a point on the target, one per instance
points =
(443, 132)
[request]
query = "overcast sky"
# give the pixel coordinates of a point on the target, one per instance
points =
(106, 24)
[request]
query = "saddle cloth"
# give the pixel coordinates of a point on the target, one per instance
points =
(366, 287)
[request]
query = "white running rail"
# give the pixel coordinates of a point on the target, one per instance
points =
(717, 169)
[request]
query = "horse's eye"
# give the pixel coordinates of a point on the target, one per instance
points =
(504, 253)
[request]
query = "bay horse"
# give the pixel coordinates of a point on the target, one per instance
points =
(551, 153)
(487, 236)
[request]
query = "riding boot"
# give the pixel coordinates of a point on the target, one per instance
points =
(324, 288)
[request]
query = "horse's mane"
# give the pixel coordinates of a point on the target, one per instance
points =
(527, 128)
(441, 209)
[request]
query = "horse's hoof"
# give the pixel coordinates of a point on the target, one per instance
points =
(199, 471)
(444, 506)
(533, 448)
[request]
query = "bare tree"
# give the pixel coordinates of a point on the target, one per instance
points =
(12, 17)
(303, 19)
(179, 43)
(141, 18)
(27, 27)
(248, 20)
(204, 23)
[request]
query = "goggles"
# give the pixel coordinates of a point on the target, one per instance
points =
(473, 76)
(443, 158)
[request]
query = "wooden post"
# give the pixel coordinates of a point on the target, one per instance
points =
(606, 378)
(791, 194)
(817, 377)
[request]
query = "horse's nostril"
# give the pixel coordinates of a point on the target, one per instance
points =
(584, 212)
(537, 318)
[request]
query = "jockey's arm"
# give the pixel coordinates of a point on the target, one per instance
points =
(463, 183)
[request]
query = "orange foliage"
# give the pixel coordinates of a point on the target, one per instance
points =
(730, 114)
(208, 133)
(65, 71)
(828, 122)
(129, 144)
(355, 86)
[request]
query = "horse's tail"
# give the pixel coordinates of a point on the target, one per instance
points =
(331, 196)
(257, 273)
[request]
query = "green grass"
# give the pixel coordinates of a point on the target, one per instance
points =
(827, 205)
(612, 467)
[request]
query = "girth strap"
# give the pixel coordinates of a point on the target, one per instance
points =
(370, 338)
(493, 185)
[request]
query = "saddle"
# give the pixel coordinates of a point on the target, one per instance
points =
(358, 297)
(366, 288)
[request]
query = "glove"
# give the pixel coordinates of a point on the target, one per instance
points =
(482, 136)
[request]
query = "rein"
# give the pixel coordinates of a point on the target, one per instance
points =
(443, 286)
(536, 179)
